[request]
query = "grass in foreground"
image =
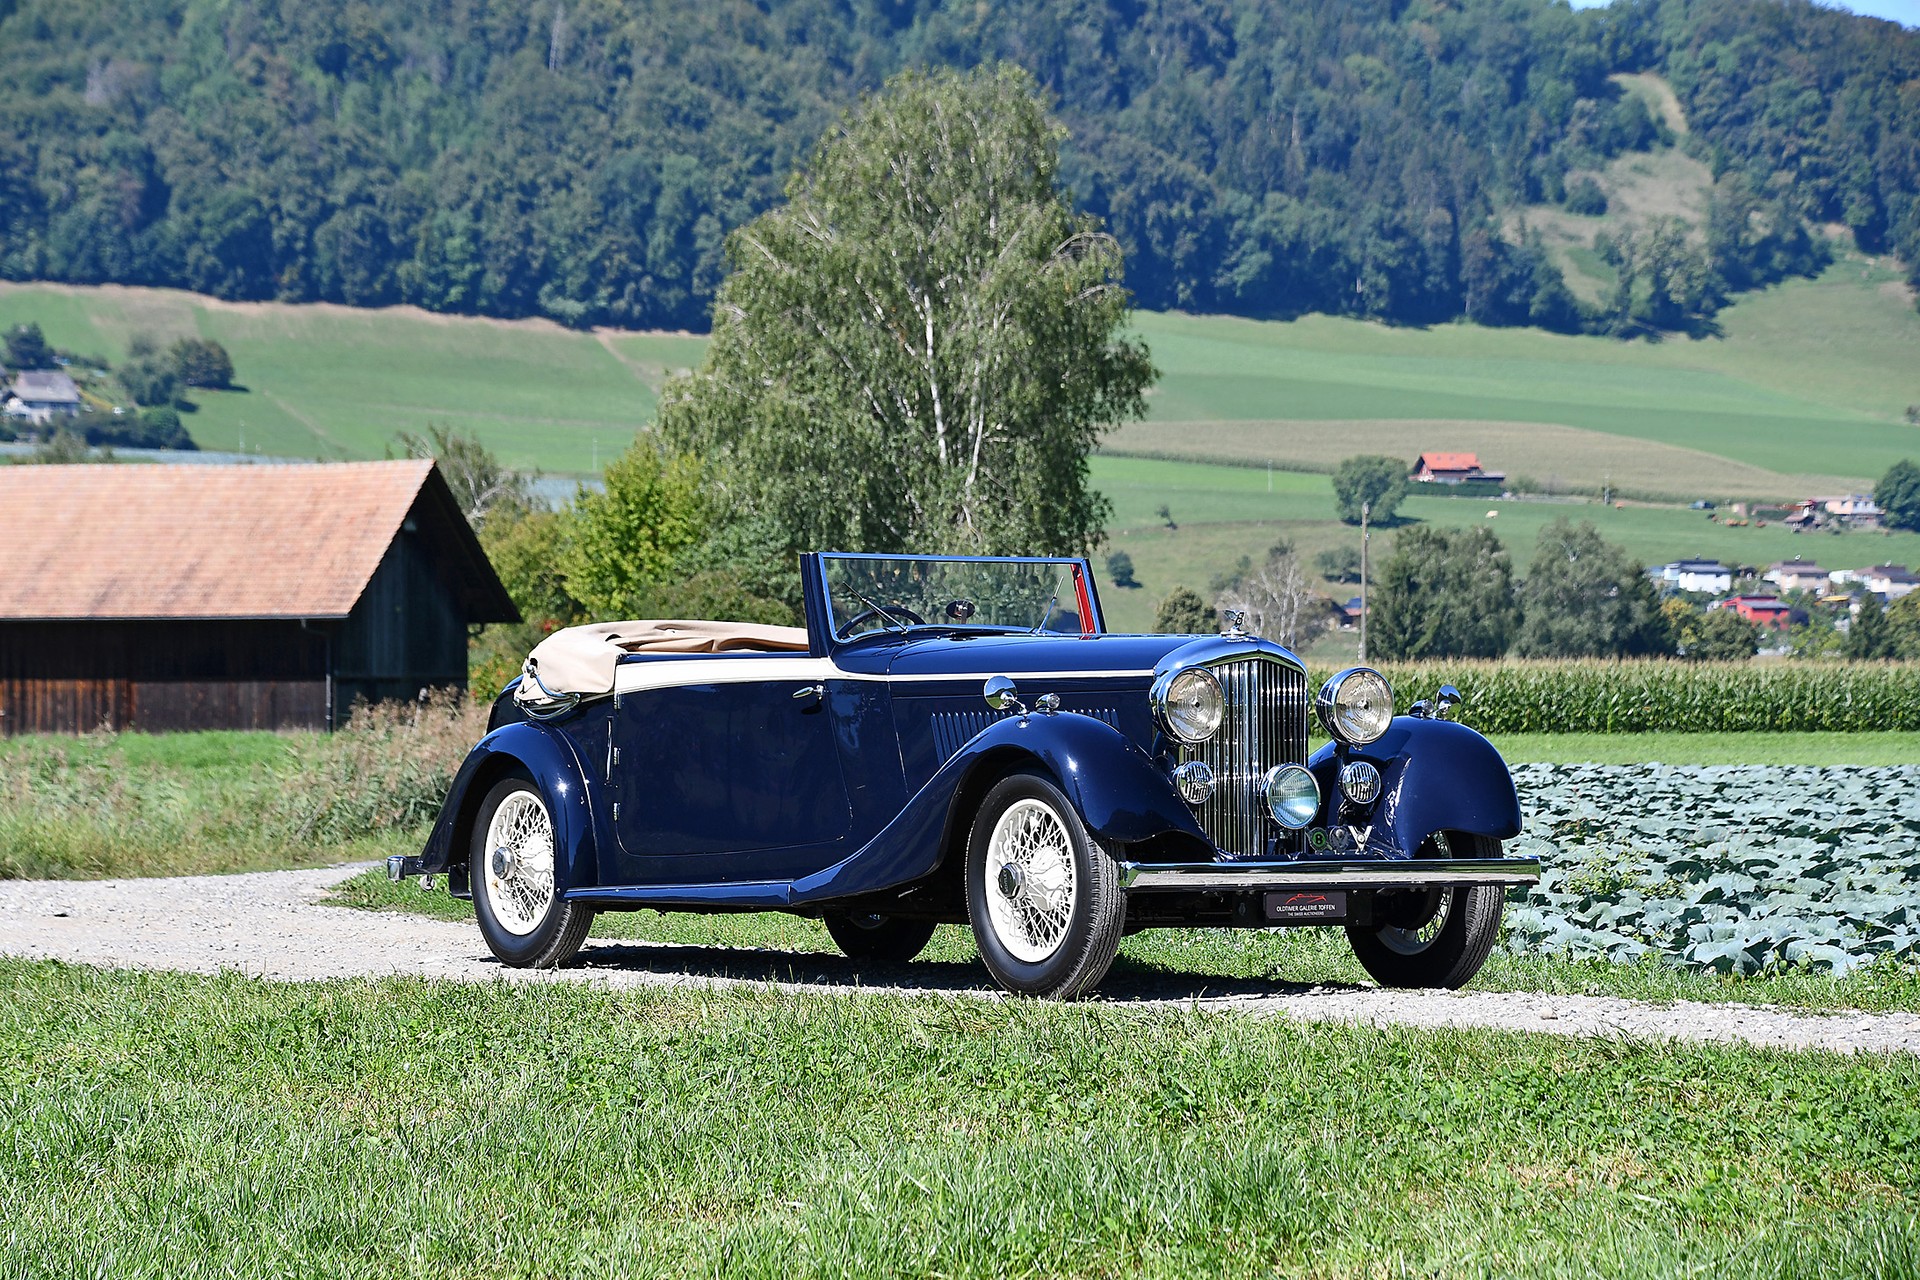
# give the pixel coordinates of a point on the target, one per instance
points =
(1173, 962)
(182, 1126)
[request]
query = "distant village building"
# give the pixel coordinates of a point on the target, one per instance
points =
(1797, 575)
(1708, 576)
(1763, 611)
(1888, 581)
(41, 395)
(1454, 468)
(1856, 510)
(221, 597)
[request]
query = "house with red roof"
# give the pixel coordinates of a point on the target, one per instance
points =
(1762, 611)
(1454, 468)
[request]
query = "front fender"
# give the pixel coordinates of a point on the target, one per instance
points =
(555, 766)
(1435, 775)
(1119, 793)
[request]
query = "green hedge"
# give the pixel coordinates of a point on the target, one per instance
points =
(1668, 696)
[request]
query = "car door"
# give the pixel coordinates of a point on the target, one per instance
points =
(732, 776)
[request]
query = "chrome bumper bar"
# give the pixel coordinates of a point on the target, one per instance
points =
(1395, 873)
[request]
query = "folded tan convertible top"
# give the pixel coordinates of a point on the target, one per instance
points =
(580, 660)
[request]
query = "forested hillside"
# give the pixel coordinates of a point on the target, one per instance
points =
(584, 159)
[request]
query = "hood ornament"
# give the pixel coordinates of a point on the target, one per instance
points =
(1233, 624)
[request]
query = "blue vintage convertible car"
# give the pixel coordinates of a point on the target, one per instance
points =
(962, 740)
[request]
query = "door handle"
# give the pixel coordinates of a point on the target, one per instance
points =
(807, 692)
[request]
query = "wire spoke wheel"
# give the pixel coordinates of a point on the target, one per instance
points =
(1412, 939)
(1031, 882)
(1437, 937)
(519, 863)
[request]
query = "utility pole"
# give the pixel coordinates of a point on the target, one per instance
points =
(1366, 510)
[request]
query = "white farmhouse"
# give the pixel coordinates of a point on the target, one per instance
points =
(41, 395)
(1708, 576)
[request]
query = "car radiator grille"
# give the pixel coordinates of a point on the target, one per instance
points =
(1265, 725)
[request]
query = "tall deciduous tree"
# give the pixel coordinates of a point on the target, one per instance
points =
(922, 346)
(1373, 480)
(1898, 495)
(1444, 593)
(1584, 597)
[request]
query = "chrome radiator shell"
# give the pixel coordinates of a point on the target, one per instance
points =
(1265, 725)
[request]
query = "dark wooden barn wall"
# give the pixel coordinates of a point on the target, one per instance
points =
(72, 677)
(407, 633)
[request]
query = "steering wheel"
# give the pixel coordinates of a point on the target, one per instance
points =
(883, 612)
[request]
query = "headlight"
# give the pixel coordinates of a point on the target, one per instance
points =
(1356, 706)
(1293, 795)
(1188, 703)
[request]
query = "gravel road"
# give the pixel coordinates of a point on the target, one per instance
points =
(273, 925)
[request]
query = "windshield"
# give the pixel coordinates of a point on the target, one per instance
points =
(897, 593)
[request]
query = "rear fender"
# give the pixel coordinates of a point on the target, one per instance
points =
(1435, 775)
(548, 756)
(1119, 793)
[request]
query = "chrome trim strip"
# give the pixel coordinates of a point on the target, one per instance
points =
(668, 673)
(1203, 876)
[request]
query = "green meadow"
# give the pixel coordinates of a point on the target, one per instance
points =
(1803, 393)
(1225, 512)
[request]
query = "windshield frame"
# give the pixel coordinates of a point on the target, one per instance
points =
(1087, 601)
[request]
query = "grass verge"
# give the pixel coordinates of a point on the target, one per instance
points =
(1220, 960)
(183, 1126)
(108, 805)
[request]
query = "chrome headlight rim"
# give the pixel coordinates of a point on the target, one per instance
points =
(1292, 794)
(1330, 708)
(1161, 697)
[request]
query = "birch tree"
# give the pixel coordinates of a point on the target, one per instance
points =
(922, 346)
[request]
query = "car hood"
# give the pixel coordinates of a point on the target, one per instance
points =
(986, 655)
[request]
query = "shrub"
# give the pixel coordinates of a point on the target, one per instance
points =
(387, 769)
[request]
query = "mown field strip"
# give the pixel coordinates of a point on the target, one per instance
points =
(271, 925)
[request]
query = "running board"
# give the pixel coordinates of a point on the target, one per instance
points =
(1248, 876)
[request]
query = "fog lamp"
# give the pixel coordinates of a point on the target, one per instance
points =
(1293, 795)
(1195, 781)
(1360, 782)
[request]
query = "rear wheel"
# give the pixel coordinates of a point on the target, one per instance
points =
(1433, 937)
(881, 939)
(519, 887)
(1044, 897)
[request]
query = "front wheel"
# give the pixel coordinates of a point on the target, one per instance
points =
(1433, 937)
(519, 891)
(1043, 896)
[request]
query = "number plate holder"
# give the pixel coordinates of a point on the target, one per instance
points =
(1306, 906)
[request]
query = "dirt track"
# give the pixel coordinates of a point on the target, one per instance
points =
(272, 925)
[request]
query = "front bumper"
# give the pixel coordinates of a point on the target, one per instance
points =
(1234, 877)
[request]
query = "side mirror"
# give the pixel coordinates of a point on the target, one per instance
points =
(1002, 694)
(1447, 699)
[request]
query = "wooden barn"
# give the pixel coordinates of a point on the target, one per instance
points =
(231, 597)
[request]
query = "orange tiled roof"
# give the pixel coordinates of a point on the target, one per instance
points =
(194, 541)
(1449, 462)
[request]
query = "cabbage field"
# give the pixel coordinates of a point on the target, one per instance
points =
(1734, 868)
